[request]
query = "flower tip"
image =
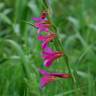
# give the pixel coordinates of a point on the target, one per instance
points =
(44, 14)
(60, 53)
(67, 76)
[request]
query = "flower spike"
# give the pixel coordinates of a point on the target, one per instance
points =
(43, 25)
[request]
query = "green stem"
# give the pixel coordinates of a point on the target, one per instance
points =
(68, 65)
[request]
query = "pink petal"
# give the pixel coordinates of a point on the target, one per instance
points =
(43, 72)
(61, 75)
(37, 19)
(38, 25)
(46, 80)
(41, 38)
(48, 53)
(46, 29)
(46, 57)
(48, 63)
(48, 50)
(48, 60)
(44, 45)
(42, 30)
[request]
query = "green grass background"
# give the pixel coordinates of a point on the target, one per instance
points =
(75, 25)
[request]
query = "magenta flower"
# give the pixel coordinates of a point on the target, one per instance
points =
(42, 25)
(50, 77)
(46, 39)
(49, 56)
(37, 19)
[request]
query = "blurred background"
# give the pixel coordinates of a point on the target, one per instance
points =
(20, 57)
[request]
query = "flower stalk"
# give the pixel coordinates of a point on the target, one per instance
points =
(48, 54)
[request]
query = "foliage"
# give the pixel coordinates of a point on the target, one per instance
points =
(73, 20)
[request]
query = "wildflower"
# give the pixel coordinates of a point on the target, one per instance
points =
(42, 25)
(50, 77)
(46, 39)
(49, 56)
